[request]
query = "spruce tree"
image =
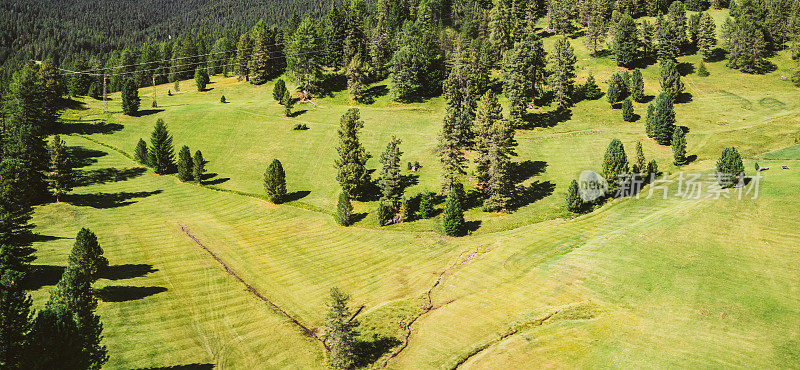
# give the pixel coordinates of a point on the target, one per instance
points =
(627, 110)
(701, 70)
(201, 78)
(87, 255)
(198, 167)
(706, 35)
(162, 155)
(524, 71)
(185, 164)
(679, 146)
(677, 17)
(637, 86)
(391, 181)
(615, 165)
(488, 115)
(730, 169)
(288, 103)
(499, 185)
(140, 153)
(340, 332)
(563, 71)
(275, 182)
(451, 149)
(16, 318)
(453, 217)
(747, 45)
(344, 210)
(626, 41)
(61, 176)
(617, 90)
(650, 121)
(663, 119)
(130, 97)
(573, 199)
(501, 26)
(404, 79)
(352, 159)
(15, 215)
(356, 78)
(279, 90)
(590, 89)
(671, 79)
(303, 59)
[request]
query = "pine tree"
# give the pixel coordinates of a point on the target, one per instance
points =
(627, 110)
(706, 35)
(54, 342)
(303, 58)
(222, 99)
(453, 217)
(61, 176)
(451, 149)
(275, 182)
(647, 38)
(279, 90)
(667, 40)
(590, 89)
(730, 169)
(563, 72)
(16, 318)
(391, 182)
(626, 41)
(404, 80)
(663, 119)
(489, 113)
(162, 155)
(198, 167)
(352, 175)
(130, 97)
(615, 165)
(185, 164)
(243, 53)
(288, 103)
(356, 78)
(340, 332)
(596, 25)
(499, 185)
(559, 16)
(52, 91)
(140, 154)
(701, 70)
(641, 162)
(15, 215)
(344, 210)
(573, 199)
(671, 79)
(87, 255)
(637, 86)
(266, 59)
(201, 78)
(679, 146)
(747, 46)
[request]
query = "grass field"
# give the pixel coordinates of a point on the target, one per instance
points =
(638, 283)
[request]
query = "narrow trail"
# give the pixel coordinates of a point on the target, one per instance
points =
(303, 329)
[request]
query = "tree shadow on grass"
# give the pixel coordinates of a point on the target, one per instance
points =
(127, 293)
(685, 68)
(521, 171)
(43, 275)
(547, 119)
(82, 157)
(146, 112)
(72, 104)
(684, 97)
(38, 238)
(127, 271)
(105, 175)
(370, 350)
(182, 367)
(212, 179)
(536, 191)
(297, 113)
(89, 127)
(107, 200)
(356, 217)
(471, 226)
(296, 195)
(373, 93)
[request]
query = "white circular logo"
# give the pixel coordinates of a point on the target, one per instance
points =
(591, 186)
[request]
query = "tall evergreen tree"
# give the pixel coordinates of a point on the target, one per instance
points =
(596, 25)
(451, 149)
(54, 341)
(340, 332)
(162, 154)
(288, 103)
(140, 153)
(626, 41)
(404, 79)
(391, 182)
(563, 72)
(199, 167)
(243, 54)
(275, 182)
(87, 255)
(677, 17)
(706, 35)
(201, 78)
(303, 58)
(489, 113)
(667, 40)
(344, 210)
(52, 91)
(453, 216)
(130, 97)
(61, 176)
(185, 165)
(746, 43)
(637, 86)
(499, 185)
(353, 175)
(663, 119)
(671, 79)
(15, 215)
(640, 166)
(279, 90)
(590, 89)
(559, 16)
(615, 165)
(730, 169)
(501, 26)
(627, 110)
(356, 78)
(16, 316)
(679, 146)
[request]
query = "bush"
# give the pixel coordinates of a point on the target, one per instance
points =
(574, 201)
(300, 127)
(222, 99)
(701, 70)
(730, 169)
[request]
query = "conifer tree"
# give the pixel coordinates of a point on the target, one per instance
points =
(563, 72)
(615, 165)
(162, 155)
(641, 163)
(590, 89)
(130, 97)
(650, 121)
(356, 78)
(453, 217)
(596, 25)
(279, 90)
(627, 110)
(426, 202)
(185, 165)
(746, 42)
(87, 255)
(54, 341)
(61, 176)
(303, 57)
(679, 146)
(16, 318)
(243, 53)
(288, 103)
(730, 169)
(275, 182)
(340, 332)
(15, 215)
(198, 167)
(663, 119)
(671, 79)
(501, 26)
(647, 38)
(667, 40)
(391, 181)
(706, 35)
(489, 113)
(701, 70)
(626, 41)
(201, 78)
(573, 199)
(140, 154)
(351, 162)
(52, 91)
(404, 79)
(559, 16)
(637, 86)
(616, 89)
(677, 17)
(344, 210)
(450, 148)
(499, 185)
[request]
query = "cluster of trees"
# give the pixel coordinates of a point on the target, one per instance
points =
(67, 332)
(160, 156)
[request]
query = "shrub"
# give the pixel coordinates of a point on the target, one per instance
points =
(730, 169)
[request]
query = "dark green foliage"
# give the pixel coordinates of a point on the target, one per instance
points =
(590, 89)
(162, 154)
(662, 119)
(627, 110)
(617, 89)
(15, 320)
(275, 182)
(701, 70)
(667, 40)
(385, 214)
(596, 24)
(671, 79)
(303, 58)
(730, 169)
(649, 121)
(267, 58)
(140, 153)
(340, 334)
(524, 70)
(185, 164)
(222, 99)
(352, 174)
(15, 216)
(390, 181)
(626, 41)
(243, 54)
(87, 255)
(636, 87)
(453, 217)
(344, 210)
(652, 168)
(746, 43)
(573, 199)
(356, 78)
(404, 80)
(487, 117)
(288, 103)
(54, 341)
(615, 165)
(679, 146)
(61, 176)
(706, 35)
(198, 167)
(300, 127)
(201, 78)
(563, 71)
(426, 203)
(641, 163)
(677, 17)
(279, 90)
(130, 97)
(796, 77)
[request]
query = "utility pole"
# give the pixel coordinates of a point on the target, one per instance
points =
(105, 101)
(155, 105)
